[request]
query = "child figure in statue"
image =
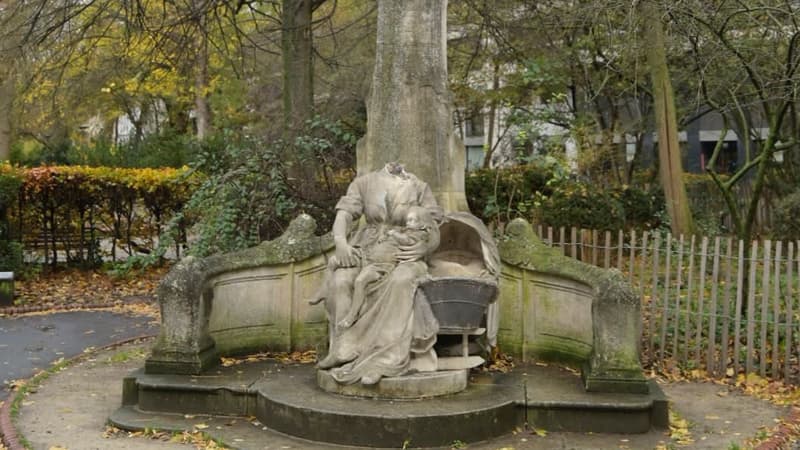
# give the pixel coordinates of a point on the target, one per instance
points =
(381, 258)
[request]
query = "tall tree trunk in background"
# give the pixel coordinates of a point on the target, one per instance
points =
(201, 107)
(6, 100)
(298, 69)
(201, 82)
(487, 159)
(669, 152)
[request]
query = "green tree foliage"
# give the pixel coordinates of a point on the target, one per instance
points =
(754, 90)
(573, 65)
(247, 195)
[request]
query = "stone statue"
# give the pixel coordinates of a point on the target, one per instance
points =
(378, 329)
(382, 257)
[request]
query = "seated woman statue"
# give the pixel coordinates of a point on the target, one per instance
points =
(385, 330)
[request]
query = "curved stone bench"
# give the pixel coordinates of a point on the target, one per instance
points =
(556, 308)
(552, 307)
(242, 302)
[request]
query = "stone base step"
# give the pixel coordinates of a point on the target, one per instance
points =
(287, 399)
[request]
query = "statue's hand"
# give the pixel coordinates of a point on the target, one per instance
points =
(413, 252)
(347, 255)
(347, 322)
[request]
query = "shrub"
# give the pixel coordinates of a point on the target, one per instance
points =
(70, 207)
(10, 251)
(786, 226)
(578, 205)
(10, 256)
(253, 189)
(166, 148)
(543, 193)
(641, 208)
(500, 195)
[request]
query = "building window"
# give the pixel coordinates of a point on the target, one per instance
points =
(727, 159)
(473, 126)
(475, 156)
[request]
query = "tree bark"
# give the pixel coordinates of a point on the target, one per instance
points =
(487, 159)
(297, 50)
(409, 109)
(201, 85)
(669, 152)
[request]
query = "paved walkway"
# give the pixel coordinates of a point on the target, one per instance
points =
(32, 342)
(70, 409)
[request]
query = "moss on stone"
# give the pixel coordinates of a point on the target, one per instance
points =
(521, 247)
(296, 244)
(185, 294)
(616, 319)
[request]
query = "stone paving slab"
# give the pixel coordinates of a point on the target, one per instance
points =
(70, 410)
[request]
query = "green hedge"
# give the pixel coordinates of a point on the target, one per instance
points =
(10, 251)
(545, 194)
(68, 209)
(585, 206)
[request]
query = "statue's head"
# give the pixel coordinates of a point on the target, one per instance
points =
(419, 218)
(395, 168)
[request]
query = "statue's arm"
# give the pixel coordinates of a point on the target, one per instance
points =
(428, 201)
(346, 255)
(349, 208)
(404, 239)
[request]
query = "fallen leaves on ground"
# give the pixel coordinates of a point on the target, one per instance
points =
(306, 357)
(499, 362)
(679, 429)
(198, 439)
(539, 432)
(781, 435)
(14, 385)
(74, 288)
(776, 392)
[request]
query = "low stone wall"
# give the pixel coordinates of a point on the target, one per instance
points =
(565, 289)
(267, 308)
(246, 301)
(544, 316)
(551, 307)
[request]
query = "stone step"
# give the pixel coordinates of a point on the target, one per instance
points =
(286, 398)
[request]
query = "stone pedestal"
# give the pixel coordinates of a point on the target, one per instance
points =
(407, 387)
(6, 288)
(613, 365)
(409, 110)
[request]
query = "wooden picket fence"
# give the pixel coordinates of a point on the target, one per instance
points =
(707, 303)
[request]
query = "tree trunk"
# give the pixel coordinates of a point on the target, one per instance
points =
(409, 110)
(487, 159)
(297, 50)
(201, 84)
(669, 152)
(6, 100)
